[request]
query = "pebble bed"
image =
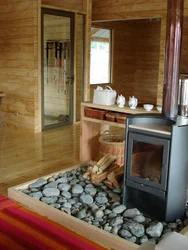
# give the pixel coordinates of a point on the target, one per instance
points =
(100, 206)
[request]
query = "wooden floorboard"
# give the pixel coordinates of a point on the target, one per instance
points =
(26, 156)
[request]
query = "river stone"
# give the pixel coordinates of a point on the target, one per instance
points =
(131, 213)
(136, 229)
(62, 174)
(61, 200)
(132, 239)
(36, 195)
(52, 184)
(103, 194)
(81, 214)
(64, 187)
(49, 200)
(37, 184)
(99, 213)
(51, 179)
(55, 176)
(72, 201)
(107, 228)
(101, 199)
(51, 192)
(66, 194)
(116, 221)
(77, 189)
(114, 197)
(139, 218)
(112, 215)
(66, 205)
(118, 209)
(96, 223)
(66, 210)
(62, 180)
(155, 229)
(90, 190)
(34, 190)
(116, 229)
(124, 233)
(56, 205)
(86, 199)
(117, 190)
(81, 178)
(26, 191)
(74, 181)
(89, 185)
(143, 239)
(94, 207)
(107, 211)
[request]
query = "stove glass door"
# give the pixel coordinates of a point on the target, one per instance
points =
(148, 160)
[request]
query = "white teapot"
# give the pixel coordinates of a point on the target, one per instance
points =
(133, 102)
(120, 101)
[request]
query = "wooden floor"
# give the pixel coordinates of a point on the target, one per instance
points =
(26, 156)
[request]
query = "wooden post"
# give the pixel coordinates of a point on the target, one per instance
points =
(172, 58)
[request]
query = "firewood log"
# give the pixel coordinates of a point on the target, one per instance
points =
(108, 163)
(108, 183)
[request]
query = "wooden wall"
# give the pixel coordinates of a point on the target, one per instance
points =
(71, 5)
(79, 64)
(19, 63)
(136, 47)
(127, 10)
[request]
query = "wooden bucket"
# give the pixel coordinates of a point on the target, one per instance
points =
(113, 145)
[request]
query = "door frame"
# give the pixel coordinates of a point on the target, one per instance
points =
(71, 15)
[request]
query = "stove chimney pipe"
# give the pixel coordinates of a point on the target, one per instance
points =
(172, 58)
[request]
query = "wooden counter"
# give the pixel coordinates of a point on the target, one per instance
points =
(91, 128)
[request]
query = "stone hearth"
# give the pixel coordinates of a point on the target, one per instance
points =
(99, 206)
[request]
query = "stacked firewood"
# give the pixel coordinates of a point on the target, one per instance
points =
(106, 170)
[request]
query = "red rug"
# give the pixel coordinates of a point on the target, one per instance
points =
(22, 229)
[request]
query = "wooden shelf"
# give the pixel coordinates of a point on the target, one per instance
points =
(126, 109)
(116, 124)
(91, 128)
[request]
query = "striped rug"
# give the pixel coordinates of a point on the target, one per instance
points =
(22, 229)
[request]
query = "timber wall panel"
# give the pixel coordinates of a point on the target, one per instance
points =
(18, 67)
(72, 5)
(128, 10)
(79, 63)
(136, 50)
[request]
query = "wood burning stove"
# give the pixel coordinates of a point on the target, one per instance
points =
(156, 164)
(156, 158)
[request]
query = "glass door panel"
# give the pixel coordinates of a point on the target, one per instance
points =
(57, 67)
(148, 160)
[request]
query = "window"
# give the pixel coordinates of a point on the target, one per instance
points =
(100, 60)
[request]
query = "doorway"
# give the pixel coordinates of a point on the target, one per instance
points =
(57, 68)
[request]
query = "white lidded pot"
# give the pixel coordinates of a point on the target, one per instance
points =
(133, 102)
(120, 101)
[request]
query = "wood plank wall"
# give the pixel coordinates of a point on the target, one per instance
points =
(19, 62)
(127, 10)
(136, 47)
(79, 64)
(72, 5)
(20, 58)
